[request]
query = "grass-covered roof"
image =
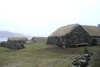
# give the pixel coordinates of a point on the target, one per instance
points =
(17, 39)
(92, 30)
(64, 30)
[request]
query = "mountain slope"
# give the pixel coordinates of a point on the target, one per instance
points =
(6, 34)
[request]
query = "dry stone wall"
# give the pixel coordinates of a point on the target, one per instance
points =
(13, 44)
(83, 60)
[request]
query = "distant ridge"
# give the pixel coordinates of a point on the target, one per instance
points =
(6, 34)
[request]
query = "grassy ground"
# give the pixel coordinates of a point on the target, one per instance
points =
(95, 62)
(39, 54)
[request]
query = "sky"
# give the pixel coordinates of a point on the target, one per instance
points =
(42, 17)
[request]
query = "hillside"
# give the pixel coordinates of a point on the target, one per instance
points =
(6, 34)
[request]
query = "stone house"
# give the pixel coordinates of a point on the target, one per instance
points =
(75, 35)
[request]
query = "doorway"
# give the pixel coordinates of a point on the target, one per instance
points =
(94, 42)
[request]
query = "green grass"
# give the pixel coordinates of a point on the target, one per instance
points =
(95, 62)
(39, 54)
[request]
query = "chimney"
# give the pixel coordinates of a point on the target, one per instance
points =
(98, 25)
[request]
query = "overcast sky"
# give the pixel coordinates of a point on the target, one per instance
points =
(42, 17)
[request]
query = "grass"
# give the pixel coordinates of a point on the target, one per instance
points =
(95, 62)
(38, 54)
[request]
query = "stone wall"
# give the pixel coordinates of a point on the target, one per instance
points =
(83, 60)
(13, 44)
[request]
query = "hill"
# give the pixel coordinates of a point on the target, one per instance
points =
(6, 34)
